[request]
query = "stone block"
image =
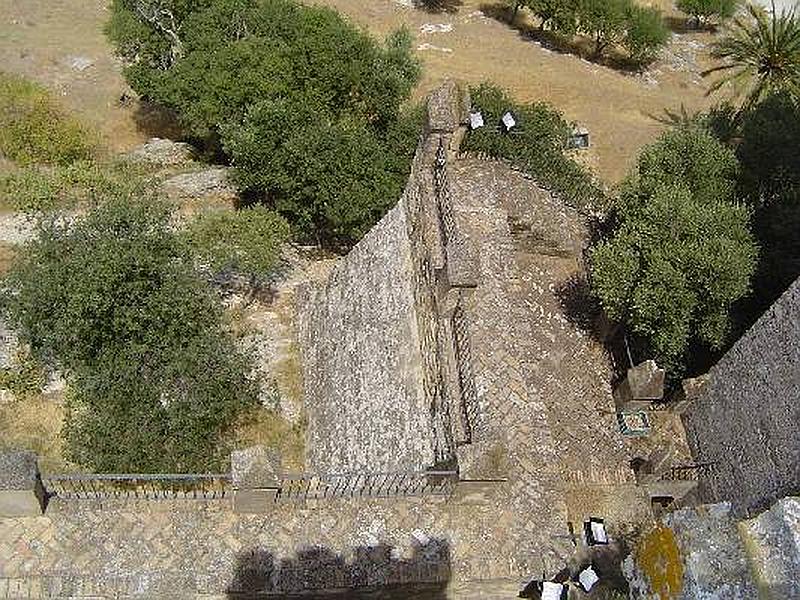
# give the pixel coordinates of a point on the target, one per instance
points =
(643, 385)
(255, 468)
(21, 491)
(475, 492)
(260, 501)
(444, 108)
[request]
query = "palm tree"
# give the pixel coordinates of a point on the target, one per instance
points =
(760, 54)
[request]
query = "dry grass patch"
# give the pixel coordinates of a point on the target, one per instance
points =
(34, 423)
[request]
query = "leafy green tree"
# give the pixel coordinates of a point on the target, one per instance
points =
(767, 142)
(246, 240)
(680, 252)
(703, 10)
(112, 300)
(558, 15)
(604, 21)
(760, 56)
(331, 177)
(645, 33)
(283, 88)
(34, 129)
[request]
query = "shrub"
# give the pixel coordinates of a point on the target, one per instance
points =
(37, 188)
(112, 300)
(33, 128)
(703, 10)
(559, 15)
(333, 178)
(539, 148)
(604, 21)
(247, 240)
(681, 252)
(277, 75)
(645, 33)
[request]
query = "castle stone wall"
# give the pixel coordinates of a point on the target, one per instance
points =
(746, 419)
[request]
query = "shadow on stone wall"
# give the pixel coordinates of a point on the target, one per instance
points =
(317, 572)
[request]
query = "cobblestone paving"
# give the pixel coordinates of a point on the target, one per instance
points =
(541, 380)
(185, 549)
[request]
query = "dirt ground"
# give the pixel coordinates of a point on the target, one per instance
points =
(61, 44)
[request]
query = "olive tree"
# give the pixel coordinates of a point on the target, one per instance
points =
(680, 252)
(111, 299)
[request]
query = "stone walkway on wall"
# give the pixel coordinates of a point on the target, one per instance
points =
(542, 382)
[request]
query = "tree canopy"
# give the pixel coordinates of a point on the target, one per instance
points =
(112, 300)
(624, 24)
(264, 77)
(680, 251)
(703, 10)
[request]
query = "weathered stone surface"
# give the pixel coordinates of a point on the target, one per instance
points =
(21, 492)
(646, 381)
(16, 228)
(207, 183)
(444, 108)
(9, 344)
(772, 542)
(362, 364)
(255, 467)
(709, 552)
(722, 559)
(18, 471)
(745, 421)
(163, 152)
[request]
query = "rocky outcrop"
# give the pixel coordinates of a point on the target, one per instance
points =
(158, 151)
(704, 553)
(207, 183)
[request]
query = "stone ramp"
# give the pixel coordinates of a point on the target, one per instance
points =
(531, 246)
(362, 364)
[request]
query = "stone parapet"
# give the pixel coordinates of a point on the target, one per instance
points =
(21, 491)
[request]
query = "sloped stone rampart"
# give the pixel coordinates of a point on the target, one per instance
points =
(745, 421)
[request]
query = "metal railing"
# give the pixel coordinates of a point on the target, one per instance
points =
(443, 199)
(686, 472)
(469, 393)
(137, 486)
(375, 485)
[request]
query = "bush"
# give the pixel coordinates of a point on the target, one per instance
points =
(680, 252)
(703, 10)
(275, 76)
(36, 188)
(645, 34)
(608, 23)
(333, 179)
(539, 149)
(33, 129)
(246, 241)
(112, 300)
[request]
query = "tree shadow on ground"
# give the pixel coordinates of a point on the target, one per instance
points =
(318, 572)
(583, 311)
(155, 121)
(579, 306)
(438, 6)
(576, 46)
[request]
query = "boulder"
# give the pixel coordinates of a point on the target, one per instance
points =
(158, 151)
(208, 183)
